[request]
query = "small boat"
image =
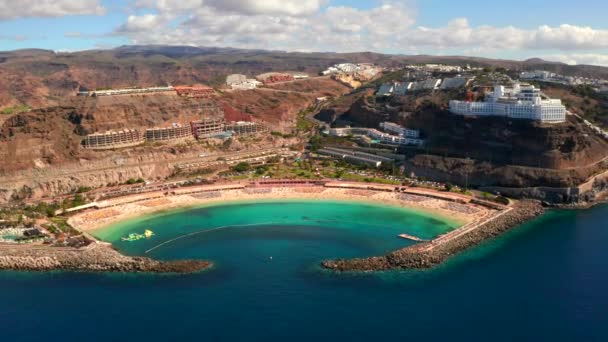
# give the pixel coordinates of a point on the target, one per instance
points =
(148, 233)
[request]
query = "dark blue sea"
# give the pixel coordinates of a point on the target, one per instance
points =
(545, 281)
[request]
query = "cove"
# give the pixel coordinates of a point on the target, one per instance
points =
(363, 228)
(543, 281)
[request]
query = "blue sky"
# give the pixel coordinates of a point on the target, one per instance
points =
(569, 31)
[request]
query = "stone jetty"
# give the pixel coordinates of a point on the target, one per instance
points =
(97, 257)
(432, 253)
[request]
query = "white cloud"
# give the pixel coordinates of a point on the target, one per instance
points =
(272, 7)
(170, 6)
(582, 58)
(459, 34)
(271, 24)
(16, 38)
(569, 37)
(141, 23)
(246, 7)
(306, 25)
(11, 9)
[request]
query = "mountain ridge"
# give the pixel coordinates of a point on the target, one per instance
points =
(38, 77)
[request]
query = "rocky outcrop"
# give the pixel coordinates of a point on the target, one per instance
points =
(96, 258)
(414, 257)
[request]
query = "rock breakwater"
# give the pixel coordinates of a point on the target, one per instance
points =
(427, 255)
(96, 258)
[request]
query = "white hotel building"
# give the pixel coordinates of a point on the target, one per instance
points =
(403, 136)
(518, 102)
(400, 130)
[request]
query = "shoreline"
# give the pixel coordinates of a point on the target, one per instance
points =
(121, 210)
(125, 218)
(430, 254)
(461, 211)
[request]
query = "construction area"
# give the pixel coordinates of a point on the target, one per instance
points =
(212, 124)
(113, 139)
(274, 77)
(175, 132)
(245, 128)
(208, 128)
(194, 91)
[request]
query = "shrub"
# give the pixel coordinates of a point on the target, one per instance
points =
(241, 167)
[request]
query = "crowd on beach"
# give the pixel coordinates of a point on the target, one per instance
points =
(111, 212)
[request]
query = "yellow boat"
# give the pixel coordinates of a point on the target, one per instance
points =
(148, 233)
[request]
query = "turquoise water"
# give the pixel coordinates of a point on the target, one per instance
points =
(546, 280)
(367, 229)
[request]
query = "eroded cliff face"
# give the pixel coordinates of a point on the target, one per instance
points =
(495, 141)
(481, 173)
(280, 104)
(107, 168)
(53, 136)
(486, 152)
(99, 114)
(39, 138)
(501, 141)
(49, 182)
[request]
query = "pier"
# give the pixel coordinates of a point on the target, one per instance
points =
(411, 237)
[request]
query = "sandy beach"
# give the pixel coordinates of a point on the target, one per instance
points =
(112, 211)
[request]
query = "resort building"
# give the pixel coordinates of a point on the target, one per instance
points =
(437, 68)
(394, 89)
(126, 91)
(401, 88)
(249, 84)
(399, 130)
(386, 89)
(376, 135)
(536, 75)
(455, 82)
(274, 77)
(518, 102)
(113, 139)
(394, 139)
(194, 91)
(175, 132)
(245, 128)
(430, 84)
(363, 71)
(241, 82)
(208, 128)
(356, 157)
(235, 79)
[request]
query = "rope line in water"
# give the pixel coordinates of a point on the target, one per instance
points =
(251, 225)
(204, 231)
